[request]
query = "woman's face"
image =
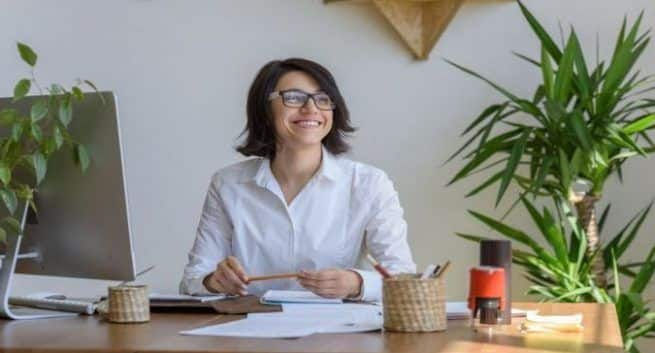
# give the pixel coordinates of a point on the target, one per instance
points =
(301, 127)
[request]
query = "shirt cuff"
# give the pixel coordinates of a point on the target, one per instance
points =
(194, 286)
(371, 290)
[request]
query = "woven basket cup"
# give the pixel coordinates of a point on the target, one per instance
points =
(412, 304)
(128, 304)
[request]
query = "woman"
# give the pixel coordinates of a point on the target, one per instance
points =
(300, 206)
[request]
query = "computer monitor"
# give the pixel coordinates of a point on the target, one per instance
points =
(82, 228)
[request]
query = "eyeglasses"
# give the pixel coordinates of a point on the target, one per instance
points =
(295, 98)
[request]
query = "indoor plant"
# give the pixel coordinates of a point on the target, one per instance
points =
(576, 131)
(31, 140)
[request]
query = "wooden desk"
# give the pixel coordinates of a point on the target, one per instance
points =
(89, 334)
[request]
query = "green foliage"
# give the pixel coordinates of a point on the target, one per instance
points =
(33, 137)
(561, 270)
(580, 125)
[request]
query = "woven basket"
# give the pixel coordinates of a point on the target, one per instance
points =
(412, 304)
(128, 304)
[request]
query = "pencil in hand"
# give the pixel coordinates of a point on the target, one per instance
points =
(270, 277)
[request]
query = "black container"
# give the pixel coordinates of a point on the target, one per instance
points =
(498, 253)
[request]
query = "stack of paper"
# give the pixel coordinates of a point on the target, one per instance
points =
(552, 323)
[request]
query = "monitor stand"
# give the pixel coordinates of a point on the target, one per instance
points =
(7, 268)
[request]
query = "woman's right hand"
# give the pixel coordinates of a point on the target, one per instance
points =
(228, 278)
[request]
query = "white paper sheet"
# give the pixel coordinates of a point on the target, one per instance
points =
(295, 296)
(299, 320)
(184, 298)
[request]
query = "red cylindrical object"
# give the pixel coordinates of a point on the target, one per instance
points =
(486, 282)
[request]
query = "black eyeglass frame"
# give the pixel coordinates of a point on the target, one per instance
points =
(276, 94)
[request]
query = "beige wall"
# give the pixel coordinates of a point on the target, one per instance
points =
(181, 70)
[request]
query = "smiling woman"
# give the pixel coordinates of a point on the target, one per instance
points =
(299, 207)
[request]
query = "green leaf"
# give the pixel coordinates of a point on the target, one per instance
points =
(491, 148)
(36, 132)
(541, 33)
(3, 236)
(57, 136)
(565, 171)
(512, 164)
(547, 73)
(7, 117)
(506, 230)
(640, 124)
(580, 129)
(5, 173)
(65, 111)
(77, 93)
(494, 178)
(22, 88)
(563, 78)
(471, 237)
(40, 166)
(582, 79)
(9, 198)
(82, 157)
(11, 224)
(27, 54)
(39, 110)
(625, 244)
(17, 131)
(643, 278)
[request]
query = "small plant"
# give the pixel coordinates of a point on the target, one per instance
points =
(33, 137)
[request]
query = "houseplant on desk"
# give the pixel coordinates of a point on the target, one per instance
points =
(31, 140)
(563, 144)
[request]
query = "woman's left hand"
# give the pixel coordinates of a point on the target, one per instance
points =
(332, 283)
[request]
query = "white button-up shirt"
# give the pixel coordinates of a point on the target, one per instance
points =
(344, 211)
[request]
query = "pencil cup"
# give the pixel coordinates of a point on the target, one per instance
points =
(128, 304)
(412, 304)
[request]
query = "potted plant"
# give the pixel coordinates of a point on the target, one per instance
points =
(31, 140)
(563, 144)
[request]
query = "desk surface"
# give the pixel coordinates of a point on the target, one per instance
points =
(89, 334)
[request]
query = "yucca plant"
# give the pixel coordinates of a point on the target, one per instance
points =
(563, 143)
(579, 127)
(561, 270)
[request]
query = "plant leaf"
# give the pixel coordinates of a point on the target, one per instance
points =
(40, 166)
(22, 88)
(82, 157)
(512, 164)
(5, 173)
(39, 111)
(27, 54)
(9, 198)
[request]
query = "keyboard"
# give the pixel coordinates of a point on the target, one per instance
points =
(69, 305)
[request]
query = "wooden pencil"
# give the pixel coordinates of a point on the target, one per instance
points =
(269, 277)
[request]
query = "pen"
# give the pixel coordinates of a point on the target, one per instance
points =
(436, 270)
(443, 269)
(383, 271)
(428, 271)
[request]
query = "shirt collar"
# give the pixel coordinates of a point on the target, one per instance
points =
(329, 169)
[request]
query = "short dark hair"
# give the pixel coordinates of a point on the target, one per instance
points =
(260, 140)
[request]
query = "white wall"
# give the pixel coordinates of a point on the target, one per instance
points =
(181, 70)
